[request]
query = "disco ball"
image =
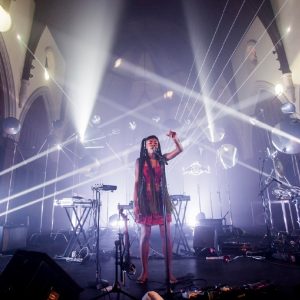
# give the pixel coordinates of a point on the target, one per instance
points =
(11, 126)
(286, 136)
(228, 156)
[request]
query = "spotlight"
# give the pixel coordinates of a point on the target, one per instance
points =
(278, 89)
(288, 108)
(11, 126)
(5, 20)
(168, 94)
(115, 222)
(46, 72)
(118, 63)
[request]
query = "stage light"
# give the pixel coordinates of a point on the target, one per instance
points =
(168, 94)
(5, 20)
(59, 147)
(19, 37)
(115, 221)
(278, 89)
(46, 72)
(288, 108)
(11, 126)
(288, 30)
(118, 63)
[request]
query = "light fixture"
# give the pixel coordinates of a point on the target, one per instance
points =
(5, 20)
(168, 94)
(11, 126)
(278, 89)
(288, 108)
(118, 63)
(46, 70)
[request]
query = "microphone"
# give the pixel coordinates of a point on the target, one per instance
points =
(159, 156)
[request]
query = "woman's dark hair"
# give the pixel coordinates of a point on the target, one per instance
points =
(144, 157)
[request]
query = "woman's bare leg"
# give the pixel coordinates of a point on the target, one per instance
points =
(144, 250)
(169, 246)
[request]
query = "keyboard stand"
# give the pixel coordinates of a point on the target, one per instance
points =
(180, 204)
(77, 230)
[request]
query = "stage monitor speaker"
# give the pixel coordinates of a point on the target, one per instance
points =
(34, 275)
(205, 237)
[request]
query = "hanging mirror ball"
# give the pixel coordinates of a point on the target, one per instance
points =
(228, 156)
(11, 126)
(287, 144)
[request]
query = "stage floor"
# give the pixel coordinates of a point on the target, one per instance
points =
(234, 279)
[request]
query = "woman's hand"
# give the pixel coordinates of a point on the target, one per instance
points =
(171, 134)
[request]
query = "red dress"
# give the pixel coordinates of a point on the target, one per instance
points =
(155, 217)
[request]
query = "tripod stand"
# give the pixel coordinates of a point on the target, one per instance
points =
(116, 287)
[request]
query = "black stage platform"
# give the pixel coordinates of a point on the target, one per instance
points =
(245, 275)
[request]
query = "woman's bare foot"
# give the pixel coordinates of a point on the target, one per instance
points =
(143, 278)
(172, 279)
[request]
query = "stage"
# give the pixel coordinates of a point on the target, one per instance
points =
(231, 275)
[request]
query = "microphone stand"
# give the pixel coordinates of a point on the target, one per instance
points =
(163, 161)
(100, 283)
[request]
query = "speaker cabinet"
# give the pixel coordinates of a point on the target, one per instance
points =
(12, 238)
(34, 275)
(205, 237)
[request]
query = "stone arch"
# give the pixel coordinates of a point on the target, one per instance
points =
(7, 86)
